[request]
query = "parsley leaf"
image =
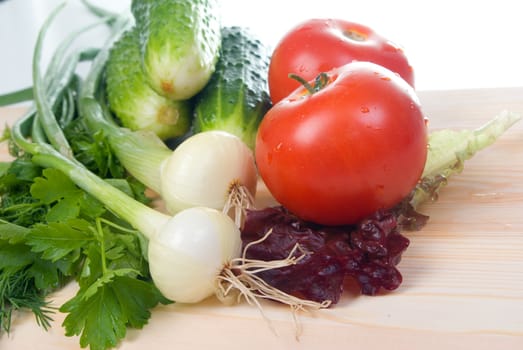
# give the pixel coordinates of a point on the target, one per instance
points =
(16, 203)
(102, 314)
(12, 233)
(53, 186)
(115, 291)
(15, 256)
(56, 240)
(66, 199)
(93, 150)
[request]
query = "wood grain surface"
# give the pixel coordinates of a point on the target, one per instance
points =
(463, 273)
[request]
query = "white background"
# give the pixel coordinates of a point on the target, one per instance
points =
(451, 44)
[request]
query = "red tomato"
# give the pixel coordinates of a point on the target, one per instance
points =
(319, 45)
(357, 145)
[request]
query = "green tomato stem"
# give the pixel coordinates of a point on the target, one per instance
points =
(320, 82)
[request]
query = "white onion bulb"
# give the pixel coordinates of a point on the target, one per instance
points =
(202, 170)
(190, 251)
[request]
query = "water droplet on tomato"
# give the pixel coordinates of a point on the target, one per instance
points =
(385, 78)
(364, 109)
(355, 35)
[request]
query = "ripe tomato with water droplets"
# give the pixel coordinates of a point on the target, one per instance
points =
(356, 145)
(319, 45)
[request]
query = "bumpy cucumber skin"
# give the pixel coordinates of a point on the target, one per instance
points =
(132, 100)
(180, 42)
(236, 98)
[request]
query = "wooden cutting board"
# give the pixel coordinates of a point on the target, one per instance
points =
(463, 273)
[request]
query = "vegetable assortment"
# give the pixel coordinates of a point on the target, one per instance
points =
(175, 103)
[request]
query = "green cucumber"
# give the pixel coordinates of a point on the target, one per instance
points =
(180, 43)
(133, 101)
(236, 98)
